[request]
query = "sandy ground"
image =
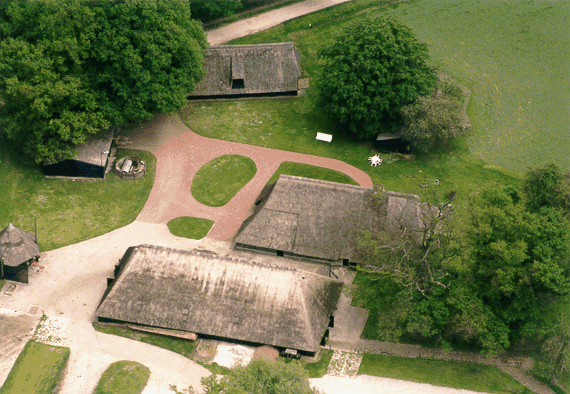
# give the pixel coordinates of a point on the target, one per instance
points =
(364, 384)
(266, 20)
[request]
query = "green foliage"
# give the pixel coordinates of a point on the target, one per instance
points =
(220, 179)
(460, 375)
(431, 123)
(371, 69)
(547, 186)
(69, 68)
(38, 369)
(194, 228)
(207, 10)
(520, 263)
(125, 377)
(261, 377)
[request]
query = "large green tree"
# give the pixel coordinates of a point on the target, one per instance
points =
(69, 68)
(370, 70)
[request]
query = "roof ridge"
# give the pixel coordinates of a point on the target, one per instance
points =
(233, 259)
(267, 45)
(322, 182)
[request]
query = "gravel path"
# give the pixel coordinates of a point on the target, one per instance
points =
(266, 20)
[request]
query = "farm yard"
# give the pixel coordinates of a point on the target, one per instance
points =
(512, 62)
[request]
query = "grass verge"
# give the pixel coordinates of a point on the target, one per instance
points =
(177, 345)
(460, 375)
(67, 211)
(313, 172)
(38, 369)
(319, 368)
(188, 227)
(125, 377)
(220, 179)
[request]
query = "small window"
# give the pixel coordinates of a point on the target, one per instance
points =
(238, 84)
(280, 253)
(345, 262)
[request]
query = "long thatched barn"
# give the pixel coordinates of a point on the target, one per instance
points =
(221, 297)
(18, 250)
(320, 220)
(249, 70)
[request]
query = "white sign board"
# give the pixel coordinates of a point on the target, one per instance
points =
(324, 137)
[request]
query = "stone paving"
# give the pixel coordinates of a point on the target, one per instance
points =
(344, 364)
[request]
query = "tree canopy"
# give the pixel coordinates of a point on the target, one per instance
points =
(69, 68)
(370, 70)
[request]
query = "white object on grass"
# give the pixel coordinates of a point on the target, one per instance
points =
(324, 137)
(375, 160)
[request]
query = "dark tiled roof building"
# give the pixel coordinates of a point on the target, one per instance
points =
(18, 249)
(250, 70)
(221, 297)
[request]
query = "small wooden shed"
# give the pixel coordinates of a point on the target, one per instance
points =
(18, 249)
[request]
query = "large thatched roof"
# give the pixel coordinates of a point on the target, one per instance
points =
(17, 246)
(221, 296)
(319, 219)
(259, 69)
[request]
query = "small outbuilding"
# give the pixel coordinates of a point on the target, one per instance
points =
(91, 159)
(392, 143)
(250, 70)
(221, 297)
(18, 250)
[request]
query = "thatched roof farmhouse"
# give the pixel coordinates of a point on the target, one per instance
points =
(221, 297)
(249, 70)
(319, 220)
(18, 249)
(91, 159)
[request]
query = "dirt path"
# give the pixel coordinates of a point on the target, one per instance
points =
(266, 20)
(180, 153)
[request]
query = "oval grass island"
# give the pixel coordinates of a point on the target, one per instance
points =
(220, 179)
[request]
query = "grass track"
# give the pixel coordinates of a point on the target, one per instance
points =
(313, 172)
(460, 375)
(38, 369)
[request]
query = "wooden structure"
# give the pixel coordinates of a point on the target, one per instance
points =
(90, 162)
(18, 250)
(250, 71)
(221, 297)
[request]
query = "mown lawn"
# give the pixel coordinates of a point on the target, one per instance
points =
(460, 375)
(38, 369)
(221, 178)
(125, 377)
(319, 368)
(188, 227)
(313, 172)
(68, 212)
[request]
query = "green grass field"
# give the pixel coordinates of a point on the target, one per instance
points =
(124, 377)
(220, 179)
(38, 369)
(460, 375)
(194, 228)
(69, 211)
(319, 369)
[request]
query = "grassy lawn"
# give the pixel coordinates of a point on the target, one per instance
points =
(220, 179)
(125, 377)
(38, 369)
(69, 211)
(313, 172)
(318, 369)
(188, 227)
(292, 123)
(460, 375)
(177, 345)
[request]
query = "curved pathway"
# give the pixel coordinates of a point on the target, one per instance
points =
(180, 153)
(266, 20)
